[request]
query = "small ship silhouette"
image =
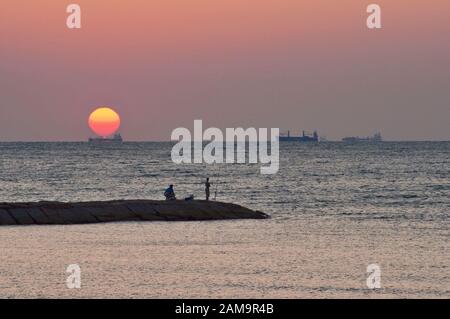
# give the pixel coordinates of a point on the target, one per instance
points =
(117, 138)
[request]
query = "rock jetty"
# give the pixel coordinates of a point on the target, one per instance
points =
(59, 213)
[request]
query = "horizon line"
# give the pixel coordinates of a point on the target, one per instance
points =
(168, 141)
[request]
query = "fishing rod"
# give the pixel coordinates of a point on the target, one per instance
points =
(215, 193)
(216, 183)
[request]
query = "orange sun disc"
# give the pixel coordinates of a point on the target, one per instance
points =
(104, 121)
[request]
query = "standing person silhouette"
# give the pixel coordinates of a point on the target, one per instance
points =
(207, 187)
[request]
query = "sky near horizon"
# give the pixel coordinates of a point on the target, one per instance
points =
(161, 64)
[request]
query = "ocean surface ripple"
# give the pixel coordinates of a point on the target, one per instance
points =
(336, 209)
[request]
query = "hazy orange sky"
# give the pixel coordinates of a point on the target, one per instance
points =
(292, 64)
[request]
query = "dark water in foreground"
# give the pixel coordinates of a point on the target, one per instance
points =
(336, 209)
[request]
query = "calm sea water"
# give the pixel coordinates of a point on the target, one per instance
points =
(336, 209)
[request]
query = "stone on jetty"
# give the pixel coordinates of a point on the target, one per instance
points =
(58, 213)
(6, 218)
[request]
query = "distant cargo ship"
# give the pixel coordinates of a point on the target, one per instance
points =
(353, 139)
(116, 139)
(314, 137)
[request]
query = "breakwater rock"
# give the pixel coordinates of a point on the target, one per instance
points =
(59, 213)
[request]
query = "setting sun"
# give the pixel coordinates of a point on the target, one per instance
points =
(104, 121)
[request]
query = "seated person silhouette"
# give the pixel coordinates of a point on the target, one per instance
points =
(169, 193)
